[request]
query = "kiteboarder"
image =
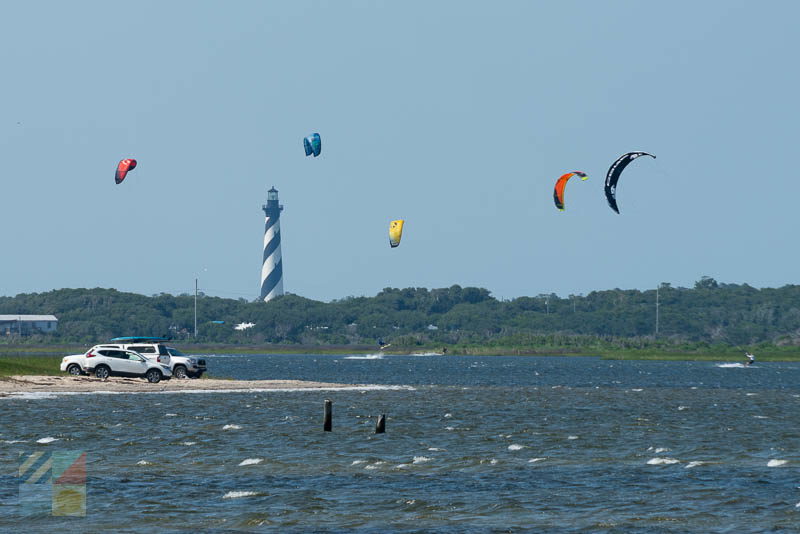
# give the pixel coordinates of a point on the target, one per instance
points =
(750, 358)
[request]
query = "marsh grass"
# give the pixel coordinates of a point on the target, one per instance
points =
(29, 365)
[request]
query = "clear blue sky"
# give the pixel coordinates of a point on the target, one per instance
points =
(456, 116)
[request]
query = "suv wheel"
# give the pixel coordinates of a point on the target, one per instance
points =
(153, 376)
(180, 371)
(74, 369)
(102, 372)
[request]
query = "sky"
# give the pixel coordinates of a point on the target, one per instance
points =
(455, 116)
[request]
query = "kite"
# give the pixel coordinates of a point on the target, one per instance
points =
(561, 183)
(313, 144)
(395, 232)
(613, 176)
(122, 169)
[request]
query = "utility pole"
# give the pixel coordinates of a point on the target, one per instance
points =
(195, 307)
(657, 304)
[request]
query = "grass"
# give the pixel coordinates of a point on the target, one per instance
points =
(29, 365)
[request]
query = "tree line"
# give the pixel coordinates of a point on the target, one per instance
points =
(709, 313)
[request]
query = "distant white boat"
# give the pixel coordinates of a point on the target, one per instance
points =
(244, 326)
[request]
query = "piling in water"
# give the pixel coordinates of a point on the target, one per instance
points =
(380, 426)
(327, 419)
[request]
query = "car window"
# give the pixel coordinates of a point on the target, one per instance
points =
(134, 357)
(109, 353)
(174, 352)
(143, 349)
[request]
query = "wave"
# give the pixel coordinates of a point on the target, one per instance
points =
(731, 365)
(378, 356)
(251, 461)
(776, 463)
(662, 461)
(240, 494)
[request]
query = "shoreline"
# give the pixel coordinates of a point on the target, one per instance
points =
(83, 384)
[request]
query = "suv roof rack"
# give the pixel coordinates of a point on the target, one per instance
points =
(140, 339)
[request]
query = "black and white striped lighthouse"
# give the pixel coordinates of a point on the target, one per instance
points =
(272, 267)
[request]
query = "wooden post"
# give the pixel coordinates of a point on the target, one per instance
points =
(327, 420)
(380, 426)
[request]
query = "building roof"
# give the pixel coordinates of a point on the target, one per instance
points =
(28, 318)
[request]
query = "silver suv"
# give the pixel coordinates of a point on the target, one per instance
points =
(181, 365)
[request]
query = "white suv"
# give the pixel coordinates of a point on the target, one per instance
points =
(104, 362)
(182, 366)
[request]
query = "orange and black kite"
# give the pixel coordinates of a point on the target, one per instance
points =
(561, 183)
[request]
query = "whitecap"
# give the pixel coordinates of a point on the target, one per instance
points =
(662, 461)
(188, 443)
(46, 440)
(170, 415)
(402, 466)
(365, 357)
(776, 463)
(534, 460)
(374, 466)
(435, 449)
(239, 494)
(251, 461)
(421, 459)
(760, 417)
(693, 464)
(143, 462)
(356, 462)
(493, 461)
(572, 437)
(637, 389)
(12, 441)
(515, 447)
(681, 408)
(661, 449)
(231, 427)
(448, 415)
(730, 365)
(449, 428)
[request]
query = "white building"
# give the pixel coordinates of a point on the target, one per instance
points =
(27, 324)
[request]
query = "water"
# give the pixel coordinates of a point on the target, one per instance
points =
(472, 444)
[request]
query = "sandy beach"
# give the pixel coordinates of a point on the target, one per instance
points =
(85, 384)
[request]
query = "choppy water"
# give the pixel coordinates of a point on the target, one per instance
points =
(472, 444)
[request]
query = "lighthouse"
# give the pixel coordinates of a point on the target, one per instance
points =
(272, 267)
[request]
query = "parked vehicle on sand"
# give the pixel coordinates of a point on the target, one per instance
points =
(105, 362)
(182, 366)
